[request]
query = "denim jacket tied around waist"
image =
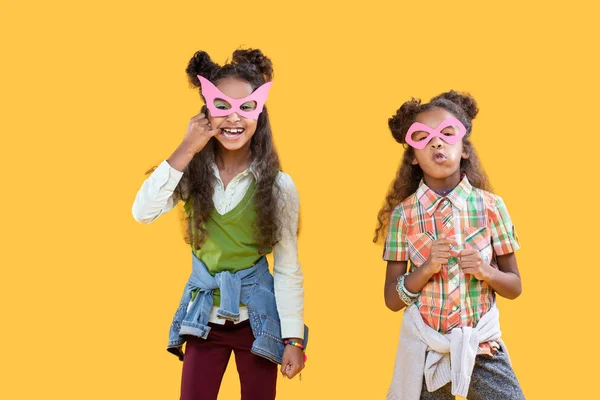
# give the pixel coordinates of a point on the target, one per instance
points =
(253, 287)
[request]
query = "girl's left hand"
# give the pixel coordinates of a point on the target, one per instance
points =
(293, 361)
(471, 263)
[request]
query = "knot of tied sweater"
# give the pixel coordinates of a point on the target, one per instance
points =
(444, 357)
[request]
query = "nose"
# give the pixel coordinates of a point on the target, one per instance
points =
(436, 143)
(233, 117)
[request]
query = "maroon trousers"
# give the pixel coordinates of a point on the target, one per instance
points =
(205, 361)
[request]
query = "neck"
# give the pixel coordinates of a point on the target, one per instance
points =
(441, 185)
(233, 161)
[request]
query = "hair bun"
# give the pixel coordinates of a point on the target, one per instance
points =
(463, 100)
(200, 64)
(404, 116)
(256, 58)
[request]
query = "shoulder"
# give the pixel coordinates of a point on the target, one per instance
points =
(405, 208)
(493, 203)
(284, 179)
(285, 185)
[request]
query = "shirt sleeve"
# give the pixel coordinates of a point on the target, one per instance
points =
(156, 196)
(287, 272)
(504, 236)
(396, 245)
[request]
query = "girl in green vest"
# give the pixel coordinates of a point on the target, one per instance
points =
(239, 207)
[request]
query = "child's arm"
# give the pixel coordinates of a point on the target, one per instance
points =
(287, 272)
(394, 270)
(414, 282)
(506, 280)
(155, 197)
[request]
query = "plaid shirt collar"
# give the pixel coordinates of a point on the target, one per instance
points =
(430, 199)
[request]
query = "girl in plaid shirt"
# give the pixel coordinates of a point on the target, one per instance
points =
(440, 215)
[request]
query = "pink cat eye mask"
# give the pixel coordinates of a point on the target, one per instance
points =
(212, 93)
(450, 122)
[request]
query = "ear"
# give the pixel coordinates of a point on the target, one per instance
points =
(465, 154)
(414, 161)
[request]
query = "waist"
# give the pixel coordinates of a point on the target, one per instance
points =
(232, 267)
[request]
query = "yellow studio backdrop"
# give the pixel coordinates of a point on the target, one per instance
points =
(94, 93)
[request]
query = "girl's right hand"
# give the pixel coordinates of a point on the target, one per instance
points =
(198, 133)
(441, 251)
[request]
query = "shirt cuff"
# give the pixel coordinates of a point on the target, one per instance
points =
(292, 328)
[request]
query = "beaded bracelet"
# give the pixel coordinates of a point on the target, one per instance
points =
(298, 345)
(294, 344)
(407, 297)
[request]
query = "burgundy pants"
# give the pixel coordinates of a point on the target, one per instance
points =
(205, 361)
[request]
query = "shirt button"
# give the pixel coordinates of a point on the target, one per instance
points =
(455, 308)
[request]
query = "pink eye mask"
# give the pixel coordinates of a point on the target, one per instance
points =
(437, 132)
(211, 92)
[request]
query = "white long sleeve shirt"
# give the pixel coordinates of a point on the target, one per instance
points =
(156, 197)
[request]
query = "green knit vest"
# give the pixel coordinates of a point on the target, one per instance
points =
(230, 243)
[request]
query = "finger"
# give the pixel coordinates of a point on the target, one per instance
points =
(466, 259)
(213, 132)
(475, 259)
(293, 371)
(444, 247)
(454, 253)
(198, 117)
(469, 251)
(469, 270)
(284, 365)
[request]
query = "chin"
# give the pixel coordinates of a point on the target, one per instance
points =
(233, 145)
(441, 172)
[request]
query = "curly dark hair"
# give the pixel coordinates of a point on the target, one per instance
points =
(462, 106)
(253, 66)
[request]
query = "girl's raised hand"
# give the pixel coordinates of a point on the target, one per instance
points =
(198, 133)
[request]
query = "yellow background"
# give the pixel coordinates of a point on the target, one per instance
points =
(94, 93)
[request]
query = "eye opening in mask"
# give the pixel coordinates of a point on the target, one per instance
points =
(221, 104)
(249, 106)
(450, 130)
(418, 136)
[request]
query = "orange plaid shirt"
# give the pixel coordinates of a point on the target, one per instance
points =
(474, 218)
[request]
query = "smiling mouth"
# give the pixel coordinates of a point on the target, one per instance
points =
(232, 133)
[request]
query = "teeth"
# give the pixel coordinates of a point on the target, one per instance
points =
(235, 130)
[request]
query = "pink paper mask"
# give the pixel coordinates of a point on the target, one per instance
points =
(437, 132)
(211, 93)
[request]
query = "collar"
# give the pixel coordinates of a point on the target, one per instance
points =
(430, 199)
(252, 169)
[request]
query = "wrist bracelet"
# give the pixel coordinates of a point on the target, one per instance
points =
(409, 294)
(298, 345)
(403, 293)
(292, 343)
